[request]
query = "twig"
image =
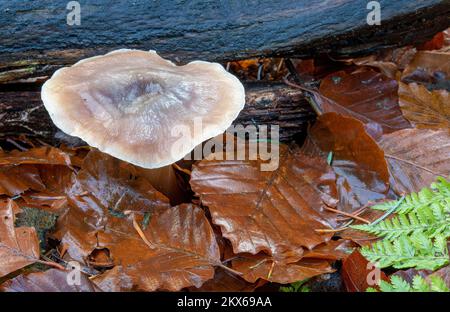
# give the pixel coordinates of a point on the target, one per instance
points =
(140, 232)
(348, 215)
(344, 227)
(269, 275)
(391, 210)
(311, 102)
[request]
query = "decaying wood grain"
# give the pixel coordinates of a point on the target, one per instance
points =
(35, 38)
(22, 112)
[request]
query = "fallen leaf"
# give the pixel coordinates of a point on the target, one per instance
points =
(332, 250)
(175, 249)
(416, 157)
(358, 274)
(388, 62)
(273, 211)
(52, 280)
(19, 247)
(435, 43)
(225, 281)
(20, 170)
(430, 68)
(424, 108)
(255, 267)
(357, 160)
(35, 156)
(366, 95)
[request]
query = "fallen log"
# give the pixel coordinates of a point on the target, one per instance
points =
(36, 39)
(22, 112)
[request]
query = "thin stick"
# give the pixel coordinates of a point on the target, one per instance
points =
(269, 275)
(348, 215)
(311, 102)
(344, 227)
(141, 233)
(52, 264)
(388, 212)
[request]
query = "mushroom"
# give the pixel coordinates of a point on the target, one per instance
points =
(126, 102)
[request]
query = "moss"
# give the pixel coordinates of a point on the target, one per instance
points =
(43, 221)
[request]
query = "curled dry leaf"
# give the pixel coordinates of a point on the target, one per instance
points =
(366, 95)
(19, 247)
(52, 280)
(388, 62)
(356, 158)
(424, 108)
(272, 211)
(260, 266)
(416, 157)
(430, 68)
(175, 247)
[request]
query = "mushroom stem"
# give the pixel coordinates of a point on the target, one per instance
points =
(166, 181)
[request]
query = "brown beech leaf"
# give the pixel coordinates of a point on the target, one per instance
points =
(225, 281)
(366, 95)
(430, 68)
(424, 108)
(416, 157)
(35, 156)
(356, 158)
(52, 280)
(332, 250)
(358, 274)
(388, 62)
(260, 266)
(180, 251)
(272, 211)
(22, 170)
(19, 247)
(18, 179)
(109, 206)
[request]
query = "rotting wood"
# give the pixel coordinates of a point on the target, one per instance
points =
(36, 40)
(22, 112)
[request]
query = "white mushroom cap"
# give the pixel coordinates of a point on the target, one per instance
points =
(126, 103)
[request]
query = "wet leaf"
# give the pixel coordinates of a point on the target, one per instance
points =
(255, 267)
(35, 156)
(180, 251)
(225, 281)
(424, 108)
(23, 170)
(332, 250)
(19, 247)
(273, 211)
(357, 160)
(416, 157)
(366, 95)
(52, 280)
(358, 274)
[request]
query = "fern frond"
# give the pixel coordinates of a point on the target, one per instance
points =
(438, 284)
(438, 193)
(416, 250)
(430, 220)
(419, 284)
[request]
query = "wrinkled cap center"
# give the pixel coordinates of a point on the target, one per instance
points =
(132, 96)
